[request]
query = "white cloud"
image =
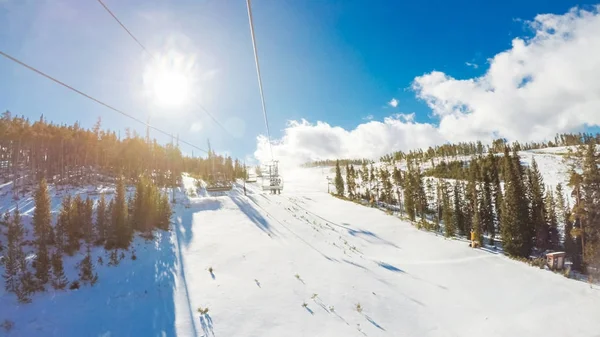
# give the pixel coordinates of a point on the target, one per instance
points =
(304, 141)
(393, 103)
(472, 65)
(368, 117)
(542, 85)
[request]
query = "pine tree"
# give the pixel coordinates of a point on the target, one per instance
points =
(494, 174)
(42, 264)
(364, 177)
(564, 217)
(121, 235)
(140, 210)
(458, 217)
(339, 182)
(111, 233)
(438, 205)
(516, 234)
(74, 225)
(14, 259)
(62, 223)
(349, 182)
(42, 231)
(88, 220)
(449, 227)
(86, 269)
(164, 213)
(372, 179)
(486, 207)
(397, 177)
(384, 175)
(535, 192)
(551, 220)
(420, 195)
(101, 220)
(476, 219)
(472, 201)
(576, 219)
(409, 194)
(41, 215)
(526, 228)
(59, 280)
(591, 204)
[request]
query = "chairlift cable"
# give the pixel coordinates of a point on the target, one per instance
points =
(39, 72)
(260, 85)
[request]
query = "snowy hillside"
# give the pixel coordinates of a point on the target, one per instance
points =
(271, 254)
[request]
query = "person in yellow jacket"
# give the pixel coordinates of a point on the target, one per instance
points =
(474, 240)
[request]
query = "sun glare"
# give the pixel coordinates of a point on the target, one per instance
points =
(171, 88)
(169, 80)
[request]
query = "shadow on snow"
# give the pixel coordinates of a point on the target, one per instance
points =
(207, 325)
(365, 235)
(184, 224)
(252, 214)
(390, 267)
(135, 298)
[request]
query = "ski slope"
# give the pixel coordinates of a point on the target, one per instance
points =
(269, 254)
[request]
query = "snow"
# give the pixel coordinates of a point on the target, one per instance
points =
(408, 282)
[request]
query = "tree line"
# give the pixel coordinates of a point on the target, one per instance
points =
(525, 215)
(80, 225)
(497, 146)
(331, 162)
(70, 154)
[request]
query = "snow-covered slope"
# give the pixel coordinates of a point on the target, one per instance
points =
(270, 254)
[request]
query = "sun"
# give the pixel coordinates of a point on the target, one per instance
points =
(168, 81)
(171, 88)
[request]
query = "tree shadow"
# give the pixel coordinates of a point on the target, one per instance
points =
(374, 323)
(207, 325)
(185, 222)
(309, 310)
(134, 298)
(390, 267)
(369, 236)
(354, 264)
(253, 214)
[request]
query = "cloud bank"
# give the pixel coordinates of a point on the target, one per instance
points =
(542, 85)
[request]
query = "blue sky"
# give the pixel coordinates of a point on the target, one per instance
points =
(331, 61)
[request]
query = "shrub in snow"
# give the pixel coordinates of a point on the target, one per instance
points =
(359, 308)
(114, 259)
(203, 311)
(7, 325)
(74, 285)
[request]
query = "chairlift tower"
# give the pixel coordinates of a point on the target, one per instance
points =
(272, 181)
